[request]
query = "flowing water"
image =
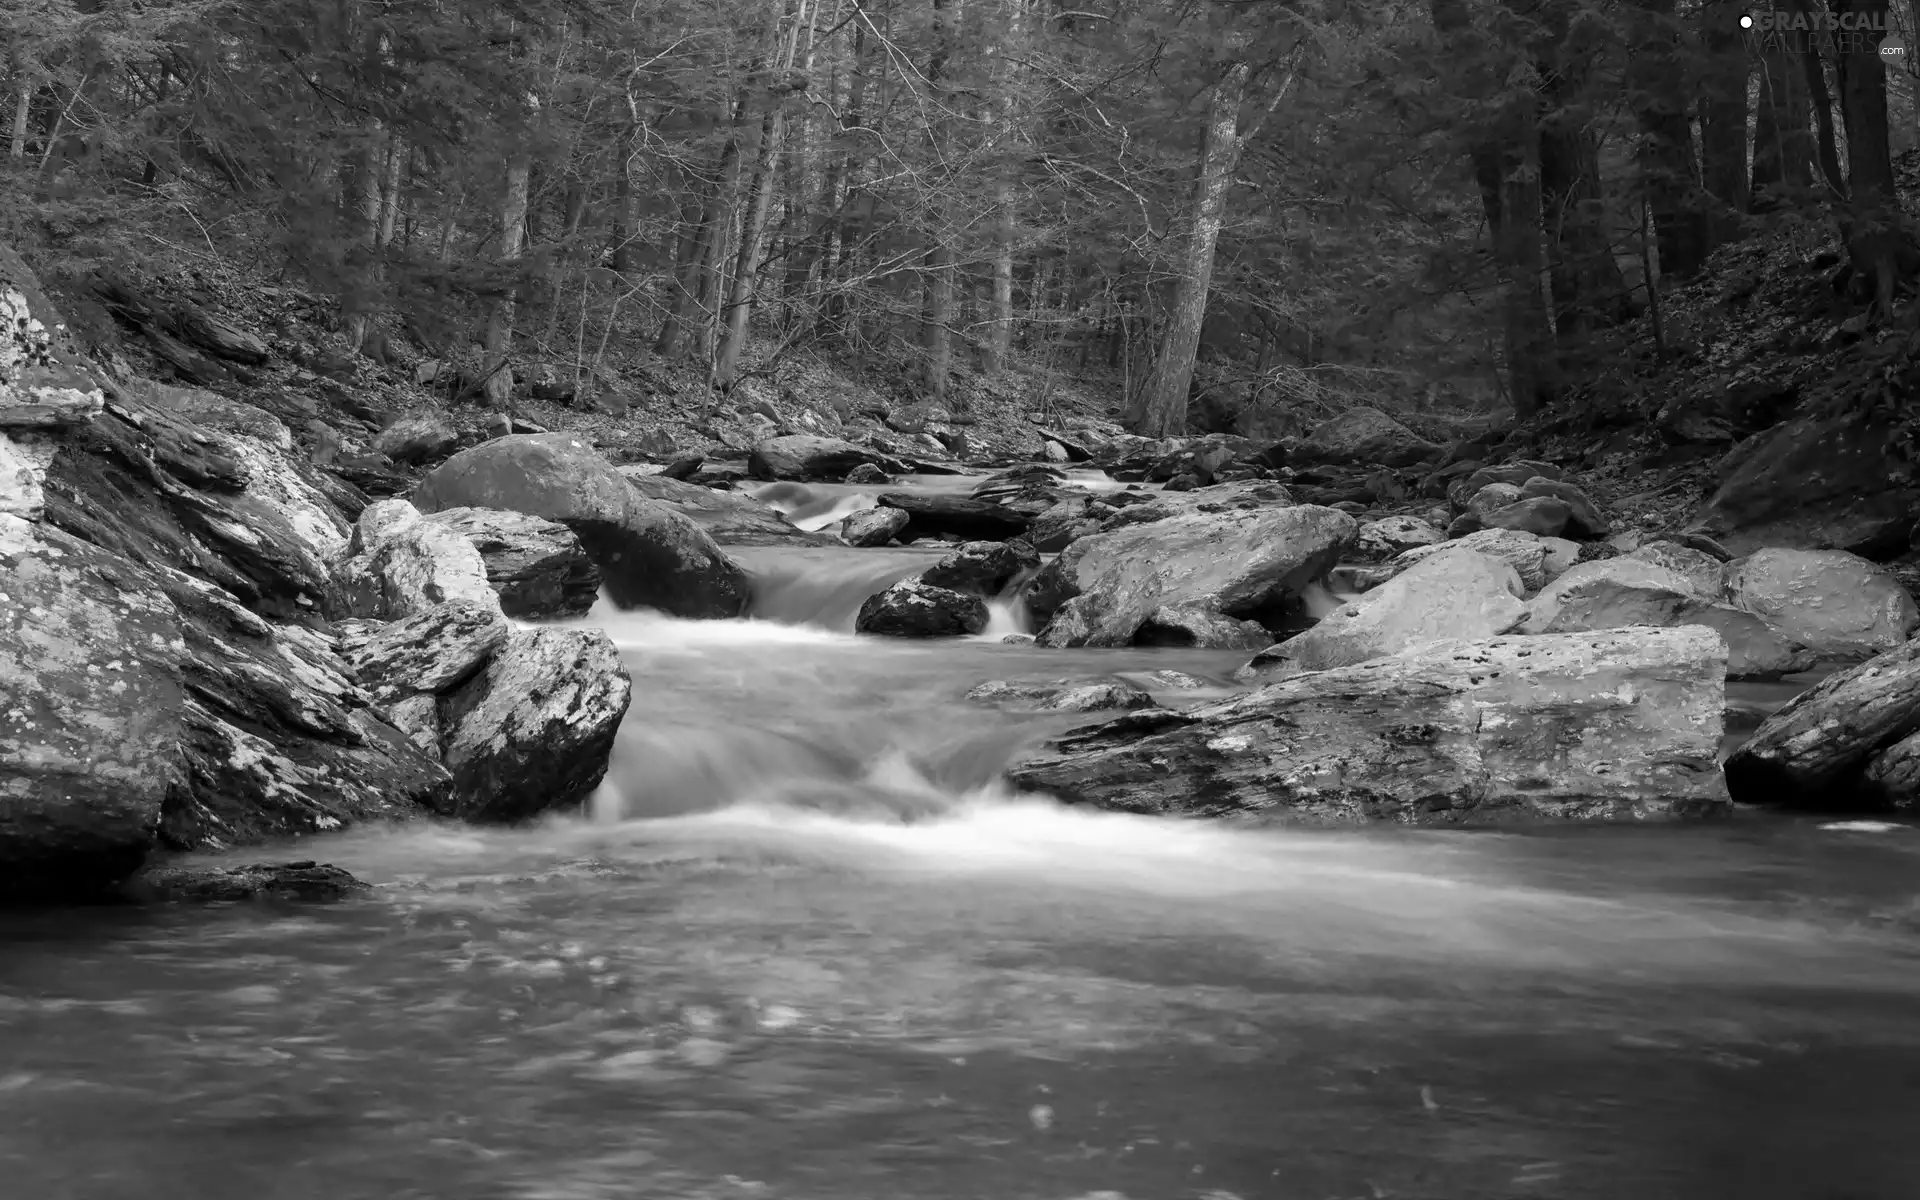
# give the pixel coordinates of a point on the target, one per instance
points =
(807, 948)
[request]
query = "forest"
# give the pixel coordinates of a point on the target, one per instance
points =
(1244, 215)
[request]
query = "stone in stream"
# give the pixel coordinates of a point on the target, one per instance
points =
(649, 555)
(1838, 604)
(982, 568)
(872, 526)
(914, 609)
(1239, 564)
(1584, 522)
(534, 730)
(938, 514)
(536, 566)
(1812, 752)
(1892, 778)
(1612, 725)
(730, 518)
(1448, 596)
(1062, 695)
(402, 565)
(1058, 526)
(806, 458)
(300, 882)
(1542, 516)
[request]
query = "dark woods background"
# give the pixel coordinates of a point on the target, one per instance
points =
(1246, 213)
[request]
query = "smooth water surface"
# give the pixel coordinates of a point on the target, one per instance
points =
(750, 976)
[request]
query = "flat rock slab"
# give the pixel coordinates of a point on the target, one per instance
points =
(1617, 725)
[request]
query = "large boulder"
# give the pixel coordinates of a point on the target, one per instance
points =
(44, 382)
(1368, 437)
(1812, 752)
(91, 712)
(1389, 536)
(732, 518)
(809, 459)
(1815, 484)
(914, 609)
(401, 564)
(536, 566)
(649, 555)
(1201, 627)
(534, 731)
(1838, 604)
(1706, 574)
(1242, 564)
(1446, 597)
(1755, 649)
(1594, 584)
(1619, 725)
(1058, 526)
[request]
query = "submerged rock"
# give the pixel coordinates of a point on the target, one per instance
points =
(304, 882)
(911, 608)
(1587, 726)
(1061, 695)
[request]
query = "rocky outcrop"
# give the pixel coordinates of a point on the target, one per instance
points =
(1368, 437)
(91, 711)
(1816, 751)
(1838, 604)
(1445, 597)
(914, 609)
(1201, 627)
(536, 566)
(1619, 725)
(1815, 484)
(649, 556)
(1592, 585)
(1755, 649)
(805, 458)
(1058, 526)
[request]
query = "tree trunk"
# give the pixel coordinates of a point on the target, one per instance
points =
(1670, 177)
(363, 258)
(1783, 146)
(1161, 408)
(1878, 243)
(22, 108)
(999, 342)
(625, 220)
(513, 223)
(937, 317)
(753, 233)
(1828, 148)
(397, 153)
(699, 290)
(1723, 115)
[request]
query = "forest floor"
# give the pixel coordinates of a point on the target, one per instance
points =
(1762, 324)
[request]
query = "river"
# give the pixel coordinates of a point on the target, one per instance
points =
(748, 974)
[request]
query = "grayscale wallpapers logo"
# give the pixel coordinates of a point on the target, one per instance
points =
(1829, 33)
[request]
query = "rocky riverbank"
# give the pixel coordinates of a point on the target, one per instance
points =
(217, 631)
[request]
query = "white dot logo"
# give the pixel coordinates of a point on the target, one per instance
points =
(1746, 21)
